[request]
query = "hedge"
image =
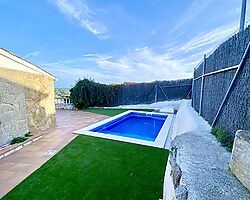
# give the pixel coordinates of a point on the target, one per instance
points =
(88, 93)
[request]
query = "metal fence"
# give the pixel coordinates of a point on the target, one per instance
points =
(221, 84)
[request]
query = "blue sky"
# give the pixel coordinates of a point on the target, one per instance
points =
(113, 41)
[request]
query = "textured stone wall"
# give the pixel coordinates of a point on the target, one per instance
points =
(40, 104)
(240, 160)
(32, 96)
(13, 115)
(235, 112)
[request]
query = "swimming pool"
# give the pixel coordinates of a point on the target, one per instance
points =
(138, 127)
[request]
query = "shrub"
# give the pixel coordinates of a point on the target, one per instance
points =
(28, 134)
(18, 140)
(88, 93)
(223, 137)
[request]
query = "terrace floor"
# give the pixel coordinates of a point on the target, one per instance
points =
(21, 164)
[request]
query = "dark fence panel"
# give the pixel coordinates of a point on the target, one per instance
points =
(140, 93)
(129, 94)
(229, 53)
(196, 94)
(215, 88)
(234, 113)
(198, 70)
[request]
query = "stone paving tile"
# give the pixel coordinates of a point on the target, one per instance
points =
(21, 164)
(6, 188)
(5, 177)
(6, 166)
(20, 167)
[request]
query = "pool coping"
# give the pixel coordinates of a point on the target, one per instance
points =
(159, 141)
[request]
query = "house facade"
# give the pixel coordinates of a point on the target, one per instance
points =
(26, 97)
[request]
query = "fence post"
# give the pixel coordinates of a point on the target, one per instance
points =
(243, 15)
(164, 93)
(202, 84)
(156, 86)
(192, 90)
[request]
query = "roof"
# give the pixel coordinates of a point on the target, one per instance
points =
(22, 64)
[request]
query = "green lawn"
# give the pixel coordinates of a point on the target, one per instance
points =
(97, 169)
(113, 111)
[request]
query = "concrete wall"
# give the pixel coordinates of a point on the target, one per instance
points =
(26, 100)
(240, 160)
(235, 112)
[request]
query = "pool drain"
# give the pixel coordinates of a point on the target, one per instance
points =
(51, 152)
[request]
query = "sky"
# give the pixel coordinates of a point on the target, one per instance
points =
(115, 41)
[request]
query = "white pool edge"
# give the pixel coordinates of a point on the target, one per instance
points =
(159, 141)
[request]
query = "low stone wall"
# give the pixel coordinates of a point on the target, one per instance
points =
(240, 160)
(26, 103)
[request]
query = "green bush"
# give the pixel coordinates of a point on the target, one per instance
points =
(18, 140)
(87, 93)
(28, 134)
(223, 137)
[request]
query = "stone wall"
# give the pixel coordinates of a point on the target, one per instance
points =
(39, 94)
(13, 115)
(240, 160)
(26, 103)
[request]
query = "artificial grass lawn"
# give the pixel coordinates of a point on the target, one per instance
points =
(112, 111)
(97, 169)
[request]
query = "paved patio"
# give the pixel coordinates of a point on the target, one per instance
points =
(21, 164)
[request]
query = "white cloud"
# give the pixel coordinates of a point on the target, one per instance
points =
(31, 55)
(210, 38)
(137, 65)
(82, 14)
(143, 64)
(195, 9)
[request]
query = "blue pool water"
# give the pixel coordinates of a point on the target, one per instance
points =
(134, 125)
